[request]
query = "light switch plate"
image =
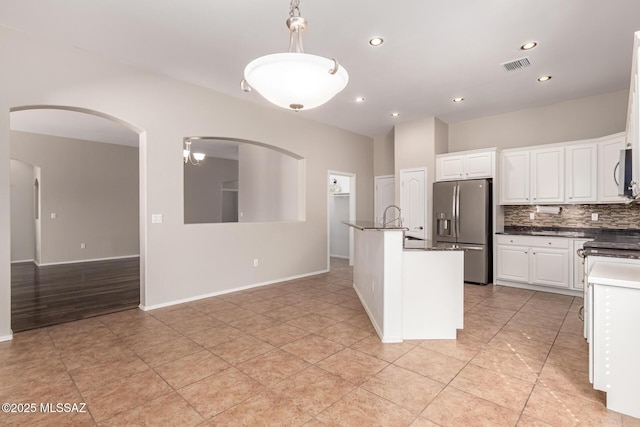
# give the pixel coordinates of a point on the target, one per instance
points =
(532, 215)
(594, 217)
(156, 218)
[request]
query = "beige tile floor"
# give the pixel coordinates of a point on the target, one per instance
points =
(304, 353)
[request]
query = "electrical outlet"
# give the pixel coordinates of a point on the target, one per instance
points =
(594, 217)
(256, 263)
(54, 215)
(82, 246)
(532, 215)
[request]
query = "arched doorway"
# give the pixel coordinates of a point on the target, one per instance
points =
(90, 216)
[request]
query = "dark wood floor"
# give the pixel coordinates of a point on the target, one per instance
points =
(50, 295)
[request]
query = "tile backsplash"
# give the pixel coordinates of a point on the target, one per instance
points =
(578, 216)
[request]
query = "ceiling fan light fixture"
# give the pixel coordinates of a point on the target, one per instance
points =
(295, 80)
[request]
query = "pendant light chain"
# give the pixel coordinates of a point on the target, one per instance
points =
(296, 24)
(294, 10)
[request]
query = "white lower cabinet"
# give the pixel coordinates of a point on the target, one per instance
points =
(611, 311)
(513, 263)
(550, 267)
(531, 260)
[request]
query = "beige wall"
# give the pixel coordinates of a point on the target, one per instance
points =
(383, 157)
(267, 185)
(583, 118)
(203, 189)
(93, 190)
(22, 211)
(182, 262)
(441, 137)
(414, 147)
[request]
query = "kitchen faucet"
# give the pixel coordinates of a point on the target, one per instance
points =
(384, 216)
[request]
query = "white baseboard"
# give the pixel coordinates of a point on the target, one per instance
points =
(86, 260)
(228, 291)
(6, 337)
(22, 260)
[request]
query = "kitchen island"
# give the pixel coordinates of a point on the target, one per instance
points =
(410, 289)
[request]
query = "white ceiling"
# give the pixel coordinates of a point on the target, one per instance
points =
(434, 50)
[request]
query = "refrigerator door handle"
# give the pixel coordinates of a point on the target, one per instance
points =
(472, 248)
(453, 211)
(457, 210)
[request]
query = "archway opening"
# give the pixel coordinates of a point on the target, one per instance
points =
(87, 217)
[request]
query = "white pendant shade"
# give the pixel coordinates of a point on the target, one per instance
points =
(296, 81)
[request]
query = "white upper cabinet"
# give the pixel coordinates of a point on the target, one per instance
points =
(514, 178)
(581, 166)
(547, 175)
(479, 165)
(608, 158)
(449, 168)
(532, 176)
(466, 165)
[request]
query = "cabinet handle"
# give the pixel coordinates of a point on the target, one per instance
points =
(549, 242)
(533, 253)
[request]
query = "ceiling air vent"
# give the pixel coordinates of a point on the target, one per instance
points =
(516, 64)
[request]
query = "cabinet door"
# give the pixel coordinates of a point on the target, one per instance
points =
(582, 173)
(550, 267)
(578, 265)
(449, 168)
(514, 178)
(547, 175)
(479, 165)
(513, 263)
(608, 158)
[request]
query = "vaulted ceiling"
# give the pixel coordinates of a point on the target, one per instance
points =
(433, 50)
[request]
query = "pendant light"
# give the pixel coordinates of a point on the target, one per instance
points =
(295, 80)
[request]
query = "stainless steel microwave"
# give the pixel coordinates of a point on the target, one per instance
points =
(623, 175)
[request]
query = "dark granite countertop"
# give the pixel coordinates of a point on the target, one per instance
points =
(582, 233)
(370, 225)
(428, 245)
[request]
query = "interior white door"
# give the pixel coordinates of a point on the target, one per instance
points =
(384, 194)
(413, 201)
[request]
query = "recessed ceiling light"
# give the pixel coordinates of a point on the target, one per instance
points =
(360, 99)
(376, 41)
(458, 99)
(544, 78)
(528, 45)
(395, 114)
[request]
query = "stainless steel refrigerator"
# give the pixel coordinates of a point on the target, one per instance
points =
(462, 218)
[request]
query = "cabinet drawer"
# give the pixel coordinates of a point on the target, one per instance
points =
(535, 241)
